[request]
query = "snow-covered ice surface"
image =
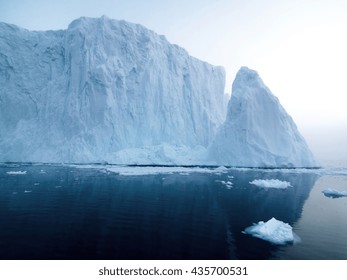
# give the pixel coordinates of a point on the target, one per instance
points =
(16, 172)
(334, 193)
(105, 91)
(258, 132)
(271, 183)
(274, 231)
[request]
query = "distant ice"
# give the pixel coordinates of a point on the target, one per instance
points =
(16, 172)
(274, 231)
(153, 170)
(221, 169)
(319, 171)
(271, 183)
(334, 193)
(26, 191)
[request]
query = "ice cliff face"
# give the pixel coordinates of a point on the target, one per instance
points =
(104, 90)
(258, 132)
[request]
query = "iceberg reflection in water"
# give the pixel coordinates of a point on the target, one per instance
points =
(62, 212)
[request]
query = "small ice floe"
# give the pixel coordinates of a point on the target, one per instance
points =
(274, 231)
(16, 172)
(42, 171)
(27, 191)
(105, 171)
(57, 187)
(271, 183)
(334, 193)
(220, 170)
(14, 192)
(36, 184)
(228, 184)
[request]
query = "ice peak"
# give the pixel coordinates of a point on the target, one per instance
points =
(83, 22)
(248, 77)
(77, 22)
(104, 18)
(244, 70)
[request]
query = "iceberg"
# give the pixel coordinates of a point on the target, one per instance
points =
(274, 231)
(258, 132)
(109, 91)
(103, 90)
(271, 183)
(334, 193)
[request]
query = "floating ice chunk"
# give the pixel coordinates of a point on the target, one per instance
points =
(16, 172)
(221, 169)
(271, 183)
(26, 191)
(228, 184)
(274, 231)
(334, 193)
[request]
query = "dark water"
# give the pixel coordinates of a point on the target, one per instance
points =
(60, 212)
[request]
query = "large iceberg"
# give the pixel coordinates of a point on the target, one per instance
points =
(111, 91)
(105, 90)
(258, 132)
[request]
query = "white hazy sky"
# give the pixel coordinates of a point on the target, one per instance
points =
(299, 47)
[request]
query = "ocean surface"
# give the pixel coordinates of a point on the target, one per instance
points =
(128, 212)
